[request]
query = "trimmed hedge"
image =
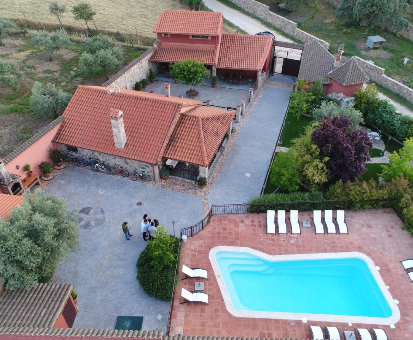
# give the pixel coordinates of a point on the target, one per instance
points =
(155, 282)
(291, 201)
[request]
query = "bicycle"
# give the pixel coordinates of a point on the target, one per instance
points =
(140, 175)
(116, 169)
(102, 168)
(72, 158)
(87, 162)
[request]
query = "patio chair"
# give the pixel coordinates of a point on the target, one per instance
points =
(270, 221)
(407, 264)
(328, 218)
(282, 226)
(317, 333)
(341, 222)
(333, 333)
(295, 224)
(319, 228)
(380, 334)
(410, 275)
(198, 273)
(364, 334)
(194, 296)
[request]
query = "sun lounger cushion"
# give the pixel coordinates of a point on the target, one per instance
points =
(282, 226)
(380, 334)
(295, 225)
(364, 334)
(328, 217)
(342, 225)
(194, 297)
(195, 272)
(333, 333)
(317, 333)
(270, 221)
(407, 264)
(319, 228)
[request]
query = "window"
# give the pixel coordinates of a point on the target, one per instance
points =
(71, 148)
(200, 37)
(167, 35)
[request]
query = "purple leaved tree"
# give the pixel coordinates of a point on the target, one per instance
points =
(347, 150)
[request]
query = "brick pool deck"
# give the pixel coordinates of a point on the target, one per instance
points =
(376, 233)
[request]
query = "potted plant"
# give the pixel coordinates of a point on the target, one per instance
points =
(138, 86)
(144, 82)
(214, 81)
(27, 169)
(74, 296)
(177, 81)
(45, 168)
(151, 75)
(202, 182)
(164, 174)
(57, 157)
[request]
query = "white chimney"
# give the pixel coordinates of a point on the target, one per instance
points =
(338, 56)
(167, 89)
(5, 177)
(118, 128)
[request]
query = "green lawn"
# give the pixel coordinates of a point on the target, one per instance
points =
(373, 171)
(375, 152)
(293, 128)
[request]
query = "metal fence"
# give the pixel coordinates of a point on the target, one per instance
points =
(171, 304)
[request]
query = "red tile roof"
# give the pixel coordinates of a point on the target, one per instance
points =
(243, 51)
(171, 52)
(198, 135)
(65, 337)
(149, 120)
(190, 22)
(7, 203)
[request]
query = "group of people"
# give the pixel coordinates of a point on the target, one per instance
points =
(148, 228)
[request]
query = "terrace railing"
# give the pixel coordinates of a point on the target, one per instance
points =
(175, 281)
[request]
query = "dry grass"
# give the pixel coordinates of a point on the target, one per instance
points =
(116, 15)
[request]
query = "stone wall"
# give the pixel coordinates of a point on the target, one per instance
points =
(263, 12)
(376, 74)
(135, 71)
(126, 163)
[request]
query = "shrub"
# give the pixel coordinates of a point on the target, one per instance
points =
(26, 168)
(55, 155)
(283, 172)
(45, 167)
(138, 86)
(144, 82)
(156, 265)
(202, 181)
(214, 79)
(74, 295)
(164, 172)
(330, 109)
(151, 74)
(190, 71)
(399, 163)
(300, 100)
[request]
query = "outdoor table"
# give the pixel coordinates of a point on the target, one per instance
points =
(349, 335)
(199, 286)
(306, 224)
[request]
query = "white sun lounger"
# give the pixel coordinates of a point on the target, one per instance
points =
(282, 226)
(270, 221)
(411, 276)
(319, 228)
(380, 334)
(333, 333)
(317, 333)
(328, 218)
(195, 272)
(295, 224)
(364, 334)
(194, 296)
(341, 222)
(407, 264)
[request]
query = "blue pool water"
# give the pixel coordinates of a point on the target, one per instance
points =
(342, 286)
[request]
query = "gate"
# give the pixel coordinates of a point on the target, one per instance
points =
(291, 67)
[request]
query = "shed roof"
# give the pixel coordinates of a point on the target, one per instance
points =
(172, 52)
(190, 22)
(8, 203)
(349, 73)
(39, 306)
(376, 38)
(316, 62)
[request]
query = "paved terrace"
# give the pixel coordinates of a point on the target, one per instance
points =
(376, 233)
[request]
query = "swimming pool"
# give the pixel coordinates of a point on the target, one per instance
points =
(340, 287)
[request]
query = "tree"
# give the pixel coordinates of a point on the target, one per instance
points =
(366, 100)
(84, 11)
(283, 172)
(400, 163)
(190, 71)
(312, 167)
(6, 24)
(47, 101)
(9, 74)
(98, 42)
(376, 13)
(57, 10)
(317, 91)
(51, 42)
(162, 249)
(300, 99)
(331, 109)
(347, 150)
(39, 235)
(107, 60)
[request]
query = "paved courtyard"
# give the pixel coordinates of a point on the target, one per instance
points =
(376, 233)
(103, 270)
(242, 176)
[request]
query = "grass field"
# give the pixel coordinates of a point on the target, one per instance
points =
(373, 171)
(293, 128)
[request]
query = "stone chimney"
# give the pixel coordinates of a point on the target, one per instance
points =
(5, 177)
(167, 89)
(118, 128)
(338, 56)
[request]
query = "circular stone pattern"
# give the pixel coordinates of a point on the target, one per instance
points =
(90, 217)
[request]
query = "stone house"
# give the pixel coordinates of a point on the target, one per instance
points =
(143, 131)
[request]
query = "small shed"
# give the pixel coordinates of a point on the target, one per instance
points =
(375, 41)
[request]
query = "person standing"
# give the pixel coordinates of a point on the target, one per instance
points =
(152, 231)
(144, 228)
(126, 231)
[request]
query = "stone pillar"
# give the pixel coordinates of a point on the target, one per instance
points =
(203, 171)
(238, 114)
(156, 175)
(167, 89)
(229, 132)
(214, 71)
(243, 105)
(250, 94)
(208, 102)
(118, 128)
(4, 174)
(259, 80)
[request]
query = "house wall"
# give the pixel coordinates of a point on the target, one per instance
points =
(336, 87)
(126, 163)
(185, 39)
(33, 155)
(61, 322)
(135, 71)
(245, 73)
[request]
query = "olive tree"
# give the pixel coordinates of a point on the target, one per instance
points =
(51, 42)
(48, 101)
(9, 74)
(107, 60)
(6, 24)
(39, 235)
(83, 11)
(331, 109)
(57, 10)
